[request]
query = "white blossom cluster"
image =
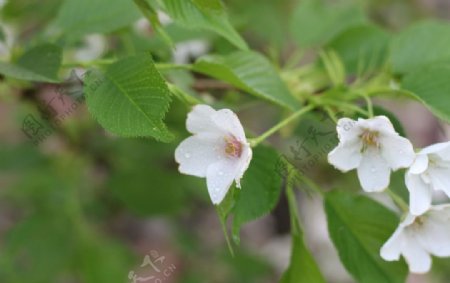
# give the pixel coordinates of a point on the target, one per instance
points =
(375, 149)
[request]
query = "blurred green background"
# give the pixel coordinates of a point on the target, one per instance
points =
(85, 206)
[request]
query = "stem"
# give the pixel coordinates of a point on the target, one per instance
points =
(159, 66)
(254, 142)
(331, 114)
(225, 232)
(349, 107)
(88, 64)
(183, 96)
(398, 200)
(311, 184)
(168, 66)
(369, 104)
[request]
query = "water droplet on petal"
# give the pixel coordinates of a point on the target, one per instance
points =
(187, 155)
(373, 170)
(220, 173)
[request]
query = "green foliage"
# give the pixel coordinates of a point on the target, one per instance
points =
(359, 227)
(314, 22)
(130, 99)
(80, 17)
(154, 191)
(249, 71)
(421, 44)
(40, 63)
(209, 5)
(260, 189)
(186, 13)
(302, 268)
(362, 48)
(432, 87)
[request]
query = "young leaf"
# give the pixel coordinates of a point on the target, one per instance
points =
(431, 85)
(40, 63)
(81, 17)
(421, 44)
(130, 99)
(303, 268)
(314, 22)
(248, 71)
(362, 48)
(186, 13)
(359, 227)
(260, 189)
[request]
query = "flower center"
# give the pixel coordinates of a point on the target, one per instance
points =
(418, 223)
(233, 147)
(369, 138)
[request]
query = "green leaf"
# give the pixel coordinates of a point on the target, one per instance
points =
(41, 63)
(209, 5)
(431, 86)
(359, 227)
(187, 14)
(248, 71)
(260, 189)
(302, 267)
(314, 22)
(419, 45)
(130, 99)
(81, 17)
(362, 48)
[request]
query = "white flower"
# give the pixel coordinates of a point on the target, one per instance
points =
(374, 148)
(218, 149)
(430, 171)
(418, 237)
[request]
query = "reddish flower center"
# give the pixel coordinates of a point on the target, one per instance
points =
(233, 147)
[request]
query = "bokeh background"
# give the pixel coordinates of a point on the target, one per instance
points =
(81, 205)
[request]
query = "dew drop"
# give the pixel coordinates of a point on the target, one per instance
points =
(220, 173)
(187, 155)
(373, 170)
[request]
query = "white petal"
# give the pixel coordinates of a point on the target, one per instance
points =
(440, 179)
(379, 124)
(227, 121)
(434, 235)
(219, 178)
(373, 171)
(244, 162)
(420, 164)
(391, 250)
(348, 130)
(419, 261)
(346, 156)
(197, 152)
(199, 120)
(443, 210)
(397, 151)
(441, 149)
(420, 194)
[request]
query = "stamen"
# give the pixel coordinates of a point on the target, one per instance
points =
(233, 147)
(370, 138)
